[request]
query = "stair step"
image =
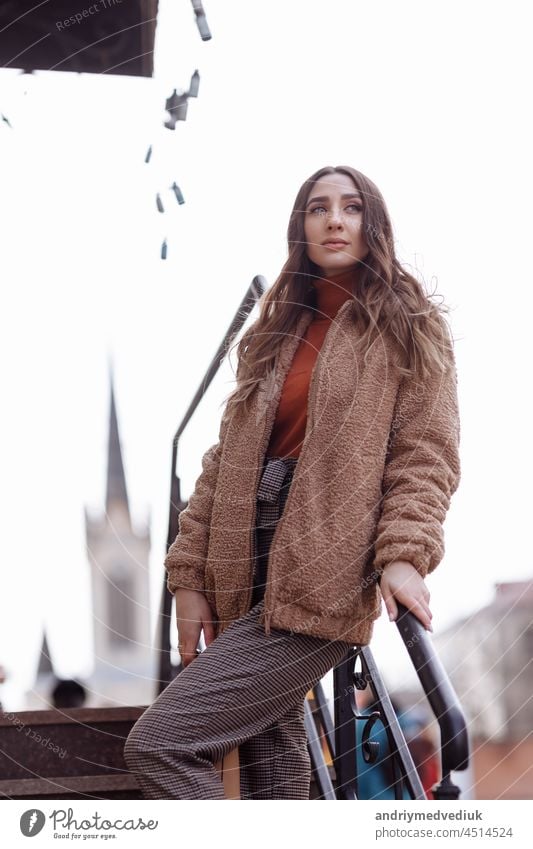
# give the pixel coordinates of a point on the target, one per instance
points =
(66, 754)
(74, 753)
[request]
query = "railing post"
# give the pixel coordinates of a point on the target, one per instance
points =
(345, 736)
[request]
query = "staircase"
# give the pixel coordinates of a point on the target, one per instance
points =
(73, 753)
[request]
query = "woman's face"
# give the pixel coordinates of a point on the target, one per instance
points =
(334, 211)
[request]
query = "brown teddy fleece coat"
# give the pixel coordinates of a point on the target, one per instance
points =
(373, 483)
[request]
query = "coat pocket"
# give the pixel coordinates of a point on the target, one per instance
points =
(331, 588)
(332, 574)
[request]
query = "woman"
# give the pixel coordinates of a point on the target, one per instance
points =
(342, 436)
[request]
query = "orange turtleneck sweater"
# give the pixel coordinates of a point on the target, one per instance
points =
(291, 418)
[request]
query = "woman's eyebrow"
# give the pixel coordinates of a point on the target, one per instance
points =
(326, 197)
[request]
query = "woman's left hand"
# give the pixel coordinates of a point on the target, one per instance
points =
(401, 582)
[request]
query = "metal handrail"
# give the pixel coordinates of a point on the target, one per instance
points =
(439, 691)
(254, 292)
(454, 746)
(346, 717)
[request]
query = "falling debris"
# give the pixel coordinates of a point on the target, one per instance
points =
(194, 84)
(148, 154)
(5, 120)
(176, 106)
(164, 250)
(201, 20)
(177, 191)
(159, 203)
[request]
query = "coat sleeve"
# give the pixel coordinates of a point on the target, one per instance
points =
(422, 472)
(186, 557)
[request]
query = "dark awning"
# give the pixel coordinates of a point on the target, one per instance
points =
(88, 36)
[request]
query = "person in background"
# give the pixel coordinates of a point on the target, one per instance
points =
(376, 780)
(68, 693)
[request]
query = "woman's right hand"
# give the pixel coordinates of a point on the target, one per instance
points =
(193, 613)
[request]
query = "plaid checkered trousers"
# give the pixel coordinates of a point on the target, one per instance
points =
(245, 690)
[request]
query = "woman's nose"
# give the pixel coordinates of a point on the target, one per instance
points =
(334, 219)
(333, 216)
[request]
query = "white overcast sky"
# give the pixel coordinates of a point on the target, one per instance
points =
(427, 99)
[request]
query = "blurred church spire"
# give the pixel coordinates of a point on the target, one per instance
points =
(116, 492)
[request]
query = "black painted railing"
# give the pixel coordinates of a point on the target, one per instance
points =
(358, 671)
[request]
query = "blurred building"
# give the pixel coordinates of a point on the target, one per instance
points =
(119, 561)
(488, 657)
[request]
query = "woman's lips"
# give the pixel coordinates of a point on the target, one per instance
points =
(335, 246)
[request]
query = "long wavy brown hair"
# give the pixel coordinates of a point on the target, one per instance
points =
(389, 299)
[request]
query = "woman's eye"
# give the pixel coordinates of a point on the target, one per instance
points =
(355, 206)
